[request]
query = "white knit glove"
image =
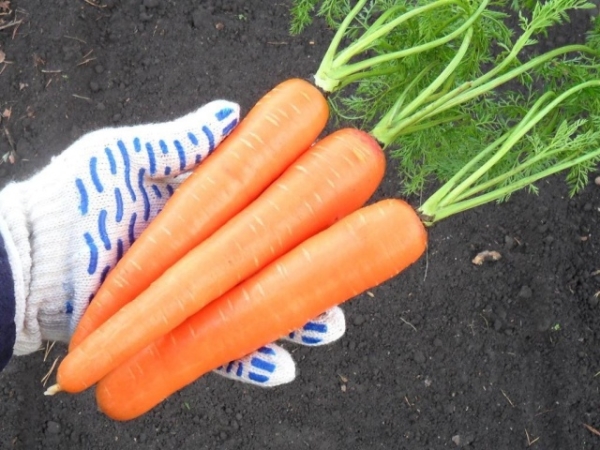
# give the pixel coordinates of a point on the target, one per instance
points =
(66, 227)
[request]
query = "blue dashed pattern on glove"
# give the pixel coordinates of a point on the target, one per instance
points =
(322, 330)
(129, 183)
(83, 211)
(271, 365)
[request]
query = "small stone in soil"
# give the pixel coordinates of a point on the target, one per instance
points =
(525, 292)
(52, 427)
(359, 320)
(419, 357)
(498, 324)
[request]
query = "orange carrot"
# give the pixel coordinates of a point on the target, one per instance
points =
(280, 127)
(360, 251)
(332, 179)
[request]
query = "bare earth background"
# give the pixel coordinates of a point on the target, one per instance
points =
(446, 355)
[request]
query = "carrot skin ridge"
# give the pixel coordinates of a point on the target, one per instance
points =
(357, 253)
(280, 127)
(332, 179)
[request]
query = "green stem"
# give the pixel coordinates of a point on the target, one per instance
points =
(329, 56)
(477, 86)
(447, 84)
(345, 81)
(385, 131)
(431, 124)
(538, 22)
(497, 194)
(362, 43)
(382, 19)
(451, 198)
(505, 176)
(333, 69)
(430, 207)
(399, 103)
(442, 77)
(448, 22)
(512, 136)
(391, 127)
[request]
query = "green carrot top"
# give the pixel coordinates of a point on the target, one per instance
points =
(458, 96)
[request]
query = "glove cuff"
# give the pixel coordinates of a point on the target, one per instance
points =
(7, 304)
(12, 283)
(15, 263)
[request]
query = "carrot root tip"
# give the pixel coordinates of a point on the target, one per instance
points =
(53, 389)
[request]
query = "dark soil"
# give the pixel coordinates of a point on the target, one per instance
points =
(447, 355)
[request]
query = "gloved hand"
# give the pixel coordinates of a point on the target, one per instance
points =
(63, 229)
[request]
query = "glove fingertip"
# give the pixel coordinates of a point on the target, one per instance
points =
(219, 118)
(322, 330)
(269, 366)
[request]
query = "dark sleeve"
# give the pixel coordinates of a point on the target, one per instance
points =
(7, 307)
